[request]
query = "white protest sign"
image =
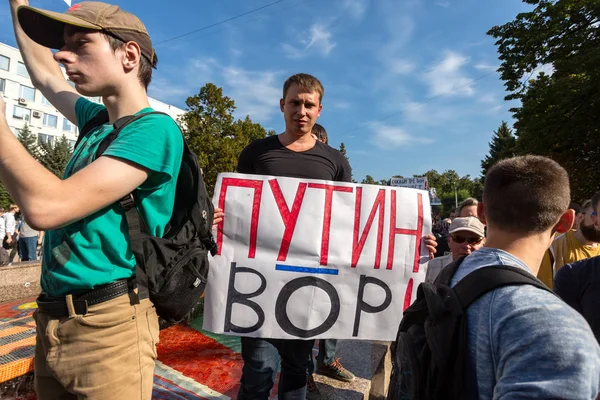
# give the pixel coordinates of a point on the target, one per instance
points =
(68, 2)
(314, 259)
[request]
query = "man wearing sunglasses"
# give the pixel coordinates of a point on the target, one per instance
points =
(466, 235)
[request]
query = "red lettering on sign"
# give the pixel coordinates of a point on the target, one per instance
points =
(244, 183)
(290, 217)
(329, 189)
(394, 230)
(408, 294)
(357, 245)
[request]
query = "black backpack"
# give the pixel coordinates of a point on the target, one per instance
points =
(172, 270)
(431, 347)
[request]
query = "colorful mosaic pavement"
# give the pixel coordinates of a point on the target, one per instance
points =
(193, 364)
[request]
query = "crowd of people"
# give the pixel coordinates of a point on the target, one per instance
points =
(19, 241)
(97, 335)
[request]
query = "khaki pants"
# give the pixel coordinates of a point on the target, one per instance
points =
(106, 354)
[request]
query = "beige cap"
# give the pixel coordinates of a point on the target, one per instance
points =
(47, 27)
(470, 224)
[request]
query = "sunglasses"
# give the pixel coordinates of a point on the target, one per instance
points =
(471, 240)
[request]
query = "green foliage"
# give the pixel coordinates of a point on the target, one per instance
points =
(29, 141)
(369, 180)
(558, 115)
(55, 157)
(445, 184)
(502, 146)
(5, 199)
(214, 134)
(344, 152)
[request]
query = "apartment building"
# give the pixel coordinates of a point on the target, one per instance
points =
(26, 105)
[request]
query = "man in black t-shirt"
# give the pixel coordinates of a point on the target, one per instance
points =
(578, 284)
(294, 153)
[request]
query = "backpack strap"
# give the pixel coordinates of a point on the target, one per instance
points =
(135, 222)
(99, 119)
(485, 279)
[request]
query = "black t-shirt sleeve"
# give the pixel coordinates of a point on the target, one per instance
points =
(245, 160)
(567, 287)
(345, 173)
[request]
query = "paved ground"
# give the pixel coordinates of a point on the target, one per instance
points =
(192, 365)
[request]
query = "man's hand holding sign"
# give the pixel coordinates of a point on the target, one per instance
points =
(302, 258)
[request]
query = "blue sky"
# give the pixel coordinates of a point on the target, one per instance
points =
(398, 74)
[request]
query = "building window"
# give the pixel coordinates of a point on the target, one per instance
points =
(45, 139)
(4, 63)
(2, 85)
(21, 113)
(45, 101)
(22, 70)
(50, 120)
(26, 92)
(68, 126)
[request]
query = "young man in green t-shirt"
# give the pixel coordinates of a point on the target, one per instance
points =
(103, 347)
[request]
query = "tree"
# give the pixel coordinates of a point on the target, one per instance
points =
(56, 156)
(5, 199)
(29, 141)
(214, 134)
(559, 114)
(502, 146)
(344, 152)
(369, 180)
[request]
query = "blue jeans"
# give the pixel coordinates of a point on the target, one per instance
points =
(262, 358)
(28, 248)
(326, 354)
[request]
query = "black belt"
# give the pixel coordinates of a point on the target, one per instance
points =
(57, 306)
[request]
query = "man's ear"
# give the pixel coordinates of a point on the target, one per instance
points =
(481, 213)
(132, 55)
(565, 223)
(281, 103)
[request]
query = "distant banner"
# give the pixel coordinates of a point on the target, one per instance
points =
(414, 183)
(418, 183)
(314, 259)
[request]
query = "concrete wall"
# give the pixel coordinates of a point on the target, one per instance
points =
(20, 280)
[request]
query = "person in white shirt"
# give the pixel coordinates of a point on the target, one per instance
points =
(10, 224)
(2, 225)
(465, 235)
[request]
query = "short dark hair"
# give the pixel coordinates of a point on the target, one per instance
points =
(576, 207)
(526, 194)
(145, 70)
(321, 133)
(306, 82)
(595, 201)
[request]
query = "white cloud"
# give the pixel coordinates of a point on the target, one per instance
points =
(401, 67)
(547, 69)
(446, 77)
(356, 8)
(339, 105)
(256, 93)
(387, 136)
(445, 4)
(486, 67)
(488, 99)
(320, 40)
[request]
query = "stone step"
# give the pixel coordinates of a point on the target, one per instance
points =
(362, 358)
